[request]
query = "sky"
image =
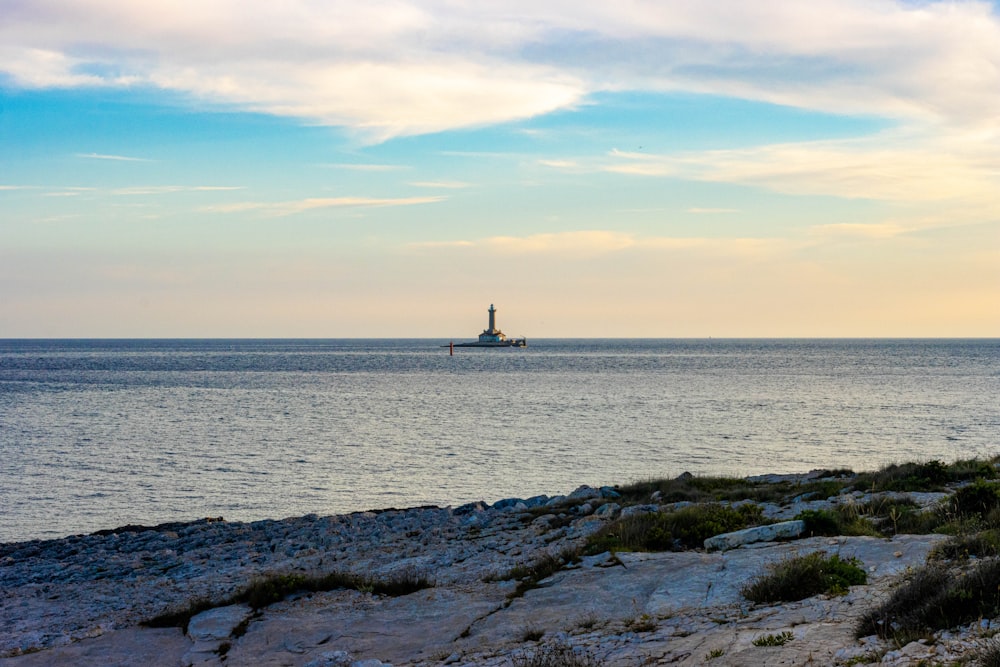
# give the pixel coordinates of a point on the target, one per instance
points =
(390, 168)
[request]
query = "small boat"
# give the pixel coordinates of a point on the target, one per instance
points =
(493, 337)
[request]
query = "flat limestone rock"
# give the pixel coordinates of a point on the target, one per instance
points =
(785, 530)
(396, 630)
(218, 623)
(625, 609)
(149, 647)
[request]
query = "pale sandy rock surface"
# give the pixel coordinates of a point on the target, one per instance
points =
(82, 600)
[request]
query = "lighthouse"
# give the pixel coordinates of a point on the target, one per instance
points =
(493, 337)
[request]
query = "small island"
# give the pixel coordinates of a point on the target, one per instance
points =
(493, 337)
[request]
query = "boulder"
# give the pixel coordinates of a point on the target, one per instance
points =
(775, 531)
(585, 493)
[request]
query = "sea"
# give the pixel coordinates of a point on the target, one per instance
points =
(96, 434)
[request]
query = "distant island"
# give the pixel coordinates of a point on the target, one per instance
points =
(493, 337)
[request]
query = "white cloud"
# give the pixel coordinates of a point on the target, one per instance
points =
(117, 158)
(957, 170)
(448, 185)
(394, 67)
(169, 189)
(588, 244)
(365, 167)
(302, 205)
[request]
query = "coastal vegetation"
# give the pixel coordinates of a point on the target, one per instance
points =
(959, 584)
(774, 640)
(267, 590)
(684, 528)
(934, 597)
(801, 577)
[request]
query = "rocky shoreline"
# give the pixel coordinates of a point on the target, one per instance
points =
(89, 599)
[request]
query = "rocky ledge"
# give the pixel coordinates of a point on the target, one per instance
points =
(89, 599)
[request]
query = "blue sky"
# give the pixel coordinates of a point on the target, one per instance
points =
(340, 169)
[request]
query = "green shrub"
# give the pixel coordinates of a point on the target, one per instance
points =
(267, 590)
(936, 598)
(967, 469)
(978, 498)
(685, 528)
(845, 520)
(773, 640)
(801, 577)
(895, 515)
(982, 544)
(820, 522)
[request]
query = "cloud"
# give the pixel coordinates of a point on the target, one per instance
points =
(869, 231)
(365, 167)
(168, 189)
(957, 170)
(450, 185)
(711, 211)
(302, 205)
(563, 165)
(398, 67)
(589, 244)
(119, 158)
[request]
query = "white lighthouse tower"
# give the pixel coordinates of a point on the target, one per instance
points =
(492, 334)
(492, 337)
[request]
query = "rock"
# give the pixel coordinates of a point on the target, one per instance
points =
(507, 503)
(768, 533)
(217, 623)
(609, 492)
(608, 510)
(639, 509)
(79, 601)
(331, 659)
(469, 508)
(584, 493)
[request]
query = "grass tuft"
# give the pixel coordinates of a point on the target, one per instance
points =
(267, 590)
(801, 577)
(685, 528)
(774, 640)
(936, 597)
(982, 544)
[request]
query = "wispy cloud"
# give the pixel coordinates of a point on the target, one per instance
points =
(448, 185)
(365, 167)
(118, 158)
(302, 205)
(588, 244)
(562, 165)
(168, 189)
(711, 211)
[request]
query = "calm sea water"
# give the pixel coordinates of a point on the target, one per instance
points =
(96, 434)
